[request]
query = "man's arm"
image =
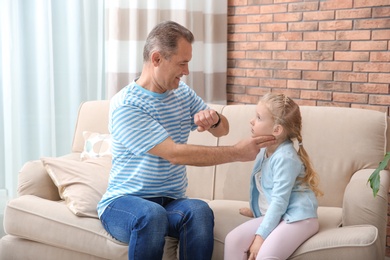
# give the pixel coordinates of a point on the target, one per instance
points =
(197, 155)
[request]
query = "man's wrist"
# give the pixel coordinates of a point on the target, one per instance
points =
(218, 122)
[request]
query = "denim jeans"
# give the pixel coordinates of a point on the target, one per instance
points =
(144, 223)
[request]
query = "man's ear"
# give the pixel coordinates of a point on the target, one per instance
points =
(278, 130)
(156, 58)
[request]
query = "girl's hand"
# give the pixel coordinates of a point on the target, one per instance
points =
(255, 247)
(247, 212)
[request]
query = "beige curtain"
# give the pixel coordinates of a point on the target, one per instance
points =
(129, 21)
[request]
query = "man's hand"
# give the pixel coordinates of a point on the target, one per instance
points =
(205, 119)
(250, 147)
(255, 247)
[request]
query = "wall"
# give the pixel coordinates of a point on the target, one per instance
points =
(320, 53)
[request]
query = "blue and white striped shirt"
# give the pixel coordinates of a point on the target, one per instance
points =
(139, 120)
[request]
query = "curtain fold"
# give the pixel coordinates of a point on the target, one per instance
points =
(51, 55)
(129, 22)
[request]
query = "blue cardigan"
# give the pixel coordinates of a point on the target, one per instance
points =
(287, 197)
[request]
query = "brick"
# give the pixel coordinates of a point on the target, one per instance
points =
(350, 76)
(246, 63)
(236, 37)
(265, 18)
(303, 26)
(240, 28)
(273, 45)
(380, 56)
(366, 3)
(306, 102)
(287, 17)
(236, 89)
(288, 36)
(235, 72)
(269, 64)
(336, 4)
(350, 97)
(369, 45)
(274, 27)
(317, 55)
(381, 35)
(379, 78)
(260, 37)
(292, 93)
(351, 56)
(244, 46)
(287, 74)
(256, 91)
(303, 65)
(247, 10)
(259, 55)
(279, 8)
(237, 2)
(236, 54)
(243, 99)
(370, 107)
(381, 11)
(259, 73)
(332, 104)
(273, 83)
(334, 86)
(353, 13)
(334, 46)
(319, 15)
(335, 25)
(317, 75)
(236, 19)
(245, 81)
(319, 36)
(370, 88)
(379, 99)
(372, 24)
(303, 7)
(371, 66)
(353, 35)
(286, 55)
(316, 95)
(302, 84)
(260, 2)
(335, 66)
(302, 46)
(286, 1)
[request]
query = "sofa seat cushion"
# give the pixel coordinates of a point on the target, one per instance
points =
(227, 218)
(28, 216)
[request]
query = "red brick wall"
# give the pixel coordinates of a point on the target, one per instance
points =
(319, 52)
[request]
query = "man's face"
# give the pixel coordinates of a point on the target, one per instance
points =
(169, 71)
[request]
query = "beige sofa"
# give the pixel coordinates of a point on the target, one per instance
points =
(345, 146)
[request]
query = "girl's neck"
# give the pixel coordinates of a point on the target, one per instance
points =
(272, 148)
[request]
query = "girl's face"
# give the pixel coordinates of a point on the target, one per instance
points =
(262, 123)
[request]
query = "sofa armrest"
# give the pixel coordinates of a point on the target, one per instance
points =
(361, 207)
(34, 180)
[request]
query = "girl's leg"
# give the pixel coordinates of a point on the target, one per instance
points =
(238, 240)
(286, 238)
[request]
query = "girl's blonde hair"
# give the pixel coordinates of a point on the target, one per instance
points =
(286, 113)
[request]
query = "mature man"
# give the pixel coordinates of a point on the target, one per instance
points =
(150, 121)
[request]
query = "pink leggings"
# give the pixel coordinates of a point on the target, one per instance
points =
(279, 245)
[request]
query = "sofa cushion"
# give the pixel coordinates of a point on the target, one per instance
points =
(29, 216)
(96, 145)
(80, 183)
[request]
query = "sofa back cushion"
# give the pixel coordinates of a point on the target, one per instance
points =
(92, 117)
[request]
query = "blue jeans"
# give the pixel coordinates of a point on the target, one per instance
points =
(144, 223)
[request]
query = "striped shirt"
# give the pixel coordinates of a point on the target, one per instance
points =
(139, 120)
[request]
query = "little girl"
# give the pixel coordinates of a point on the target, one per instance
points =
(283, 188)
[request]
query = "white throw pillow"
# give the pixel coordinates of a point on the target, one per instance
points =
(96, 145)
